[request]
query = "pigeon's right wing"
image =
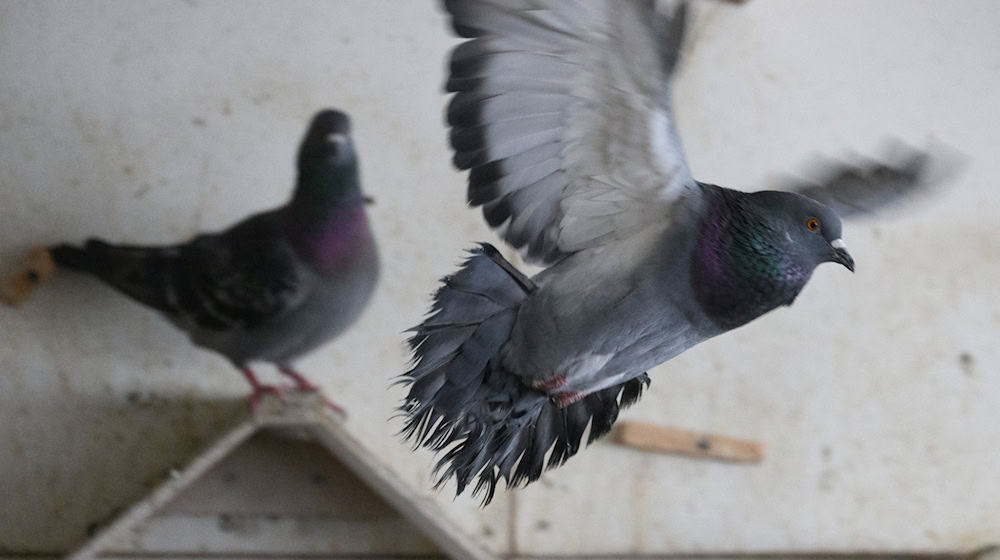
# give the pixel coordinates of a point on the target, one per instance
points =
(856, 190)
(239, 278)
(562, 115)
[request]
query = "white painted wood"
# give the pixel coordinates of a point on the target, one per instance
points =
(279, 536)
(117, 530)
(251, 492)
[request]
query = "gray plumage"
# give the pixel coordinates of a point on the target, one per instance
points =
(275, 285)
(561, 113)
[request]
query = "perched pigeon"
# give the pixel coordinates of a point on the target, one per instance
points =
(562, 116)
(272, 287)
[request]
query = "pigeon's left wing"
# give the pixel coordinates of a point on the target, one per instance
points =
(240, 278)
(854, 190)
(562, 115)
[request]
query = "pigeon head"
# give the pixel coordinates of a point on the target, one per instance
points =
(756, 251)
(328, 167)
(811, 229)
(327, 143)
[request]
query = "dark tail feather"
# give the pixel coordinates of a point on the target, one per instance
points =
(460, 398)
(142, 273)
(71, 257)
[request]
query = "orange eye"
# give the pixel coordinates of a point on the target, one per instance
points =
(812, 224)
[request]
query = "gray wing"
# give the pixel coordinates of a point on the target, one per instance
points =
(562, 115)
(872, 186)
(239, 278)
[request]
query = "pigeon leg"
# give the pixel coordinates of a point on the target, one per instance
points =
(551, 384)
(258, 387)
(304, 384)
(562, 399)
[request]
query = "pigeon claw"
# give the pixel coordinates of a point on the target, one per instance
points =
(337, 409)
(563, 399)
(260, 390)
(306, 386)
(551, 384)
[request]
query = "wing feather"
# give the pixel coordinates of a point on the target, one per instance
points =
(239, 278)
(902, 175)
(562, 115)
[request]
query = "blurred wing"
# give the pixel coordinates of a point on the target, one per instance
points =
(856, 190)
(240, 278)
(562, 115)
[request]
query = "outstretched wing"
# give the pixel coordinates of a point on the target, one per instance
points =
(239, 278)
(562, 115)
(865, 188)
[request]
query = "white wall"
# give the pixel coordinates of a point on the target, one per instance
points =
(150, 121)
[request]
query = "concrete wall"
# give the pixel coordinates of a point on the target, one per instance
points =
(876, 393)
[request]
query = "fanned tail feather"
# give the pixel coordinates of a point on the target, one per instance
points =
(462, 402)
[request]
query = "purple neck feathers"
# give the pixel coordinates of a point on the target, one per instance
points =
(739, 269)
(334, 240)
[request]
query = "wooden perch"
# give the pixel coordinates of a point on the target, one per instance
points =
(36, 268)
(649, 437)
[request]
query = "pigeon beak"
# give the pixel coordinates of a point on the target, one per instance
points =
(367, 199)
(840, 254)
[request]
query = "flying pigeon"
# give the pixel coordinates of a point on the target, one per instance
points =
(275, 285)
(562, 115)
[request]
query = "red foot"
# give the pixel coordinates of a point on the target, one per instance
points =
(259, 388)
(566, 398)
(552, 383)
(303, 384)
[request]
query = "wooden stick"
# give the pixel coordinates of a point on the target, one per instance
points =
(695, 444)
(36, 268)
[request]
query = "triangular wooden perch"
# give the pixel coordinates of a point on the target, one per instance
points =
(294, 432)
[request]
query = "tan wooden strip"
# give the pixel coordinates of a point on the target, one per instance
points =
(664, 439)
